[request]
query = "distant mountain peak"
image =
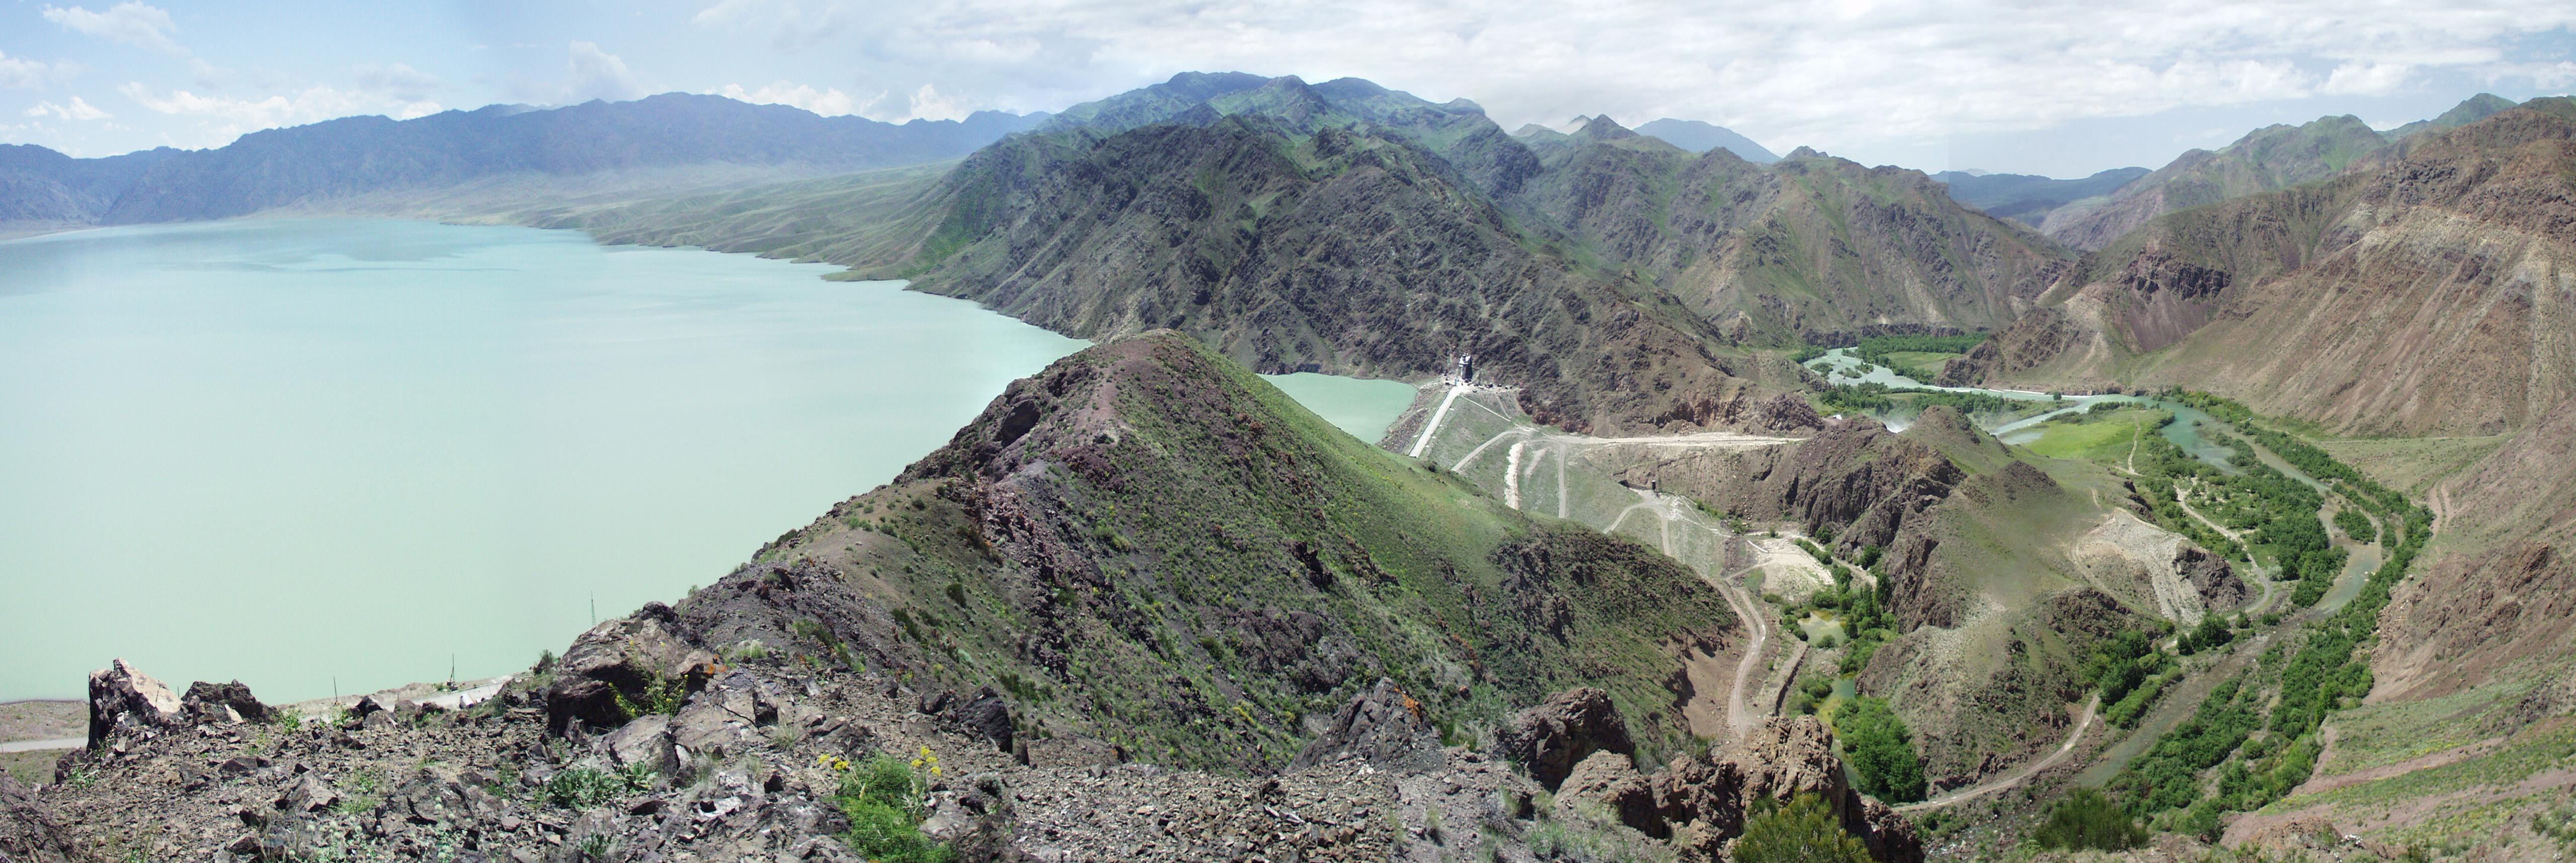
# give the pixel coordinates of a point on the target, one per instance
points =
(1699, 137)
(1602, 128)
(2470, 110)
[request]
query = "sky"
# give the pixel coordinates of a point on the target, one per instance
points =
(2056, 88)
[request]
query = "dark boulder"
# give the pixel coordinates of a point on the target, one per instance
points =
(988, 716)
(221, 702)
(1552, 737)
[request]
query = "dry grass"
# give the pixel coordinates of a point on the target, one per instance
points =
(2412, 464)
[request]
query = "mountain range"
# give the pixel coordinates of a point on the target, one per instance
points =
(337, 160)
(2268, 158)
(2029, 199)
(1349, 228)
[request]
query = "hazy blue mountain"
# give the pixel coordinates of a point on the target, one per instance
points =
(366, 155)
(1699, 137)
(40, 185)
(2029, 197)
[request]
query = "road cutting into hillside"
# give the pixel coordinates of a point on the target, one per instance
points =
(1523, 446)
(2018, 776)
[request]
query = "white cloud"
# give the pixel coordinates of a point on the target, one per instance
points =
(591, 73)
(22, 73)
(397, 81)
(1844, 74)
(829, 102)
(927, 104)
(2366, 79)
(790, 23)
(79, 109)
(130, 22)
(226, 118)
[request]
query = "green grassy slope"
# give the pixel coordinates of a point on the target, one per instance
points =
(1148, 544)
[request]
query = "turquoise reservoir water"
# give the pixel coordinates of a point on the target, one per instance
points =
(1359, 406)
(289, 451)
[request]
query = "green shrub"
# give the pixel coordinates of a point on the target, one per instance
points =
(583, 787)
(2089, 820)
(882, 798)
(1805, 831)
(1881, 750)
(662, 695)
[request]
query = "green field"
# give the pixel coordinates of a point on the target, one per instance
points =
(1919, 365)
(2097, 437)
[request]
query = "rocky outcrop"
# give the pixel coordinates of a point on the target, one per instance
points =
(1701, 802)
(2212, 577)
(124, 701)
(1854, 476)
(748, 769)
(1569, 727)
(2036, 339)
(622, 668)
(1381, 726)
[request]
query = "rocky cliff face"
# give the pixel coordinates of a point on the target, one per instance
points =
(2499, 605)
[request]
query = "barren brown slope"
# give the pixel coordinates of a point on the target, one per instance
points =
(2273, 157)
(2430, 296)
(2501, 603)
(2269, 158)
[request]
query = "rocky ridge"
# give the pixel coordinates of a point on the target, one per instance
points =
(751, 758)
